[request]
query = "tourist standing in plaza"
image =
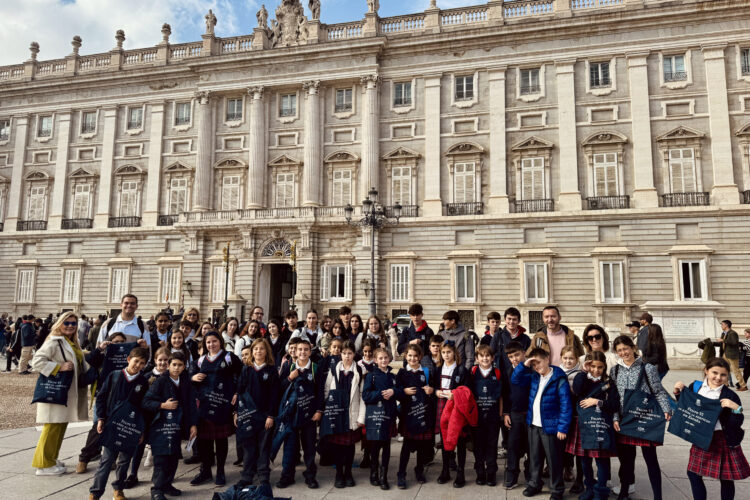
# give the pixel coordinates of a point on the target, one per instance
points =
(554, 336)
(641, 340)
(731, 342)
(59, 353)
(745, 345)
(28, 341)
(13, 348)
(656, 350)
(127, 323)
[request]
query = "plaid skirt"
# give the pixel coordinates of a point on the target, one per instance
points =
(632, 441)
(574, 445)
(345, 438)
(423, 436)
(441, 402)
(210, 430)
(719, 461)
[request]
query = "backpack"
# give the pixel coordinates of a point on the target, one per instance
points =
(474, 371)
(112, 322)
(227, 358)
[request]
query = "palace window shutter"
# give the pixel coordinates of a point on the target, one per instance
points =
(324, 282)
(348, 282)
(605, 174)
(682, 170)
(532, 179)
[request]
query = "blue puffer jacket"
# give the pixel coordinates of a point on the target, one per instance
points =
(557, 411)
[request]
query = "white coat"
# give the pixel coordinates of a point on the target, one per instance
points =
(356, 405)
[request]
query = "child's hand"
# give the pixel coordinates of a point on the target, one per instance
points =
(589, 402)
(728, 403)
(269, 423)
(100, 426)
(678, 387)
(199, 377)
(507, 421)
(103, 345)
(529, 363)
(318, 415)
(387, 394)
(410, 391)
(169, 404)
(193, 432)
(294, 374)
(428, 390)
(616, 425)
(586, 366)
(234, 400)
(561, 436)
(142, 343)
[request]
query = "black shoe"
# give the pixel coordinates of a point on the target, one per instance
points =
(511, 480)
(481, 478)
(401, 481)
(157, 495)
(587, 495)
(623, 494)
(460, 480)
(531, 491)
(420, 477)
(556, 496)
(384, 479)
(444, 476)
(237, 463)
(172, 491)
(202, 477)
(576, 488)
(365, 463)
(374, 481)
(192, 460)
(491, 480)
(25, 372)
(312, 483)
(348, 479)
(339, 482)
(221, 479)
(130, 482)
(284, 483)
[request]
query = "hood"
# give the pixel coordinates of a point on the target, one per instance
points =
(455, 332)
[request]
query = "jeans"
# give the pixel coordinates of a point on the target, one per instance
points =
(699, 489)
(105, 466)
(602, 475)
(306, 434)
(543, 445)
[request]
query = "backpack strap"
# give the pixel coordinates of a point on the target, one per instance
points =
(200, 360)
(497, 374)
(474, 370)
(697, 385)
(426, 371)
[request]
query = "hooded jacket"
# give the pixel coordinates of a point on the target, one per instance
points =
(459, 412)
(464, 344)
(556, 407)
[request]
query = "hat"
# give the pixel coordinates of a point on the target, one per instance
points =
(633, 324)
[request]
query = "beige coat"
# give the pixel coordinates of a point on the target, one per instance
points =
(45, 360)
(356, 405)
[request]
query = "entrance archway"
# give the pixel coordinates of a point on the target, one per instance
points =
(275, 289)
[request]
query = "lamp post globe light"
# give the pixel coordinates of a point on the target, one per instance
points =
(374, 218)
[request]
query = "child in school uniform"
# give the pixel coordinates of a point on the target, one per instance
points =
(593, 388)
(486, 385)
(452, 374)
(306, 380)
(549, 416)
(290, 357)
(415, 418)
(724, 459)
(571, 365)
(259, 387)
(119, 400)
(380, 392)
(515, 407)
(171, 398)
(366, 365)
(343, 389)
(431, 359)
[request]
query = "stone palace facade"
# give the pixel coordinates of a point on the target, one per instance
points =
(592, 154)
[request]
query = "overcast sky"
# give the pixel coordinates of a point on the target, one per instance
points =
(52, 23)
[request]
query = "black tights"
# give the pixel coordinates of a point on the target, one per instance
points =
(343, 458)
(423, 448)
(459, 453)
(626, 454)
(699, 489)
(375, 450)
(206, 453)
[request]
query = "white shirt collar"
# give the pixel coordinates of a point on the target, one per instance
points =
(706, 391)
(128, 376)
(485, 372)
(308, 365)
(258, 367)
(175, 381)
(414, 370)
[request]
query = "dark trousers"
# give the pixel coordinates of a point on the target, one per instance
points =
(105, 466)
(518, 442)
(256, 457)
(699, 489)
(343, 459)
(459, 454)
(135, 462)
(93, 446)
(572, 460)
(746, 370)
(380, 454)
(485, 448)
(165, 467)
(206, 453)
(543, 445)
(423, 448)
(599, 486)
(504, 435)
(626, 454)
(10, 358)
(306, 435)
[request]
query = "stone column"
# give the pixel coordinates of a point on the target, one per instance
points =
(203, 170)
(256, 177)
(155, 147)
(570, 195)
(101, 219)
(644, 193)
(313, 175)
(498, 202)
(57, 209)
(724, 191)
(15, 199)
(433, 204)
(370, 171)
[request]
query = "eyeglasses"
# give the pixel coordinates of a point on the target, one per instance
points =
(598, 336)
(70, 323)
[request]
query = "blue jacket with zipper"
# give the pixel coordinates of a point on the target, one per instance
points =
(556, 408)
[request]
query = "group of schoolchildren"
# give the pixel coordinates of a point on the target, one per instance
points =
(330, 400)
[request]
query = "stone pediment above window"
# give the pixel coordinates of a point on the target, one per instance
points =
(179, 168)
(38, 176)
(129, 170)
(285, 162)
(342, 157)
(4, 180)
(681, 133)
(533, 143)
(744, 131)
(82, 175)
(604, 138)
(230, 163)
(465, 148)
(402, 154)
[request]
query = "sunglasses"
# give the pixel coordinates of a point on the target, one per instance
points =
(70, 323)
(598, 336)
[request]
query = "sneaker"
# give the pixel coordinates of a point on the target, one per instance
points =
(59, 463)
(631, 489)
(118, 495)
(55, 470)
(531, 491)
(149, 462)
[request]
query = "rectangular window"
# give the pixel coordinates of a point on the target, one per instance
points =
(599, 75)
(692, 279)
(400, 282)
(88, 122)
(532, 179)
(745, 61)
(129, 199)
(605, 174)
(4, 130)
(401, 185)
(342, 188)
(464, 183)
(682, 170)
(25, 292)
(230, 192)
(177, 196)
(336, 282)
(288, 105)
(234, 110)
(37, 204)
(45, 126)
(135, 118)
(343, 100)
(182, 113)
(285, 190)
(81, 201)
(402, 94)
(674, 68)
(120, 283)
(170, 284)
(466, 282)
(71, 285)
(530, 81)
(464, 88)
(612, 282)
(536, 281)
(219, 281)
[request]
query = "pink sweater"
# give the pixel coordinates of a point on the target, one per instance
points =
(556, 343)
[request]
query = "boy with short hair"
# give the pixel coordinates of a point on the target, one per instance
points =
(492, 329)
(119, 419)
(290, 323)
(486, 385)
(515, 406)
(417, 332)
(431, 358)
(549, 415)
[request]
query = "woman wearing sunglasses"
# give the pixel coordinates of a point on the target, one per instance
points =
(595, 339)
(59, 353)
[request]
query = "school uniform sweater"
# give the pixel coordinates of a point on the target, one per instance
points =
(115, 388)
(310, 378)
(515, 396)
(263, 386)
(164, 389)
(377, 382)
(460, 376)
(487, 390)
(582, 387)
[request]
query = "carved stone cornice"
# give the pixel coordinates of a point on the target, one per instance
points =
(312, 86)
(203, 96)
(256, 91)
(370, 81)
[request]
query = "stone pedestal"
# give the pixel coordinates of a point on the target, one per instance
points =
(645, 198)
(314, 34)
(498, 205)
(260, 39)
(371, 24)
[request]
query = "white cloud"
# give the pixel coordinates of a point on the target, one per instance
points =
(53, 23)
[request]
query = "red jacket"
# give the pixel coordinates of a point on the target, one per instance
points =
(458, 412)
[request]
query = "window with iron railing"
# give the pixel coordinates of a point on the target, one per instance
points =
(234, 110)
(344, 100)
(45, 126)
(182, 113)
(88, 122)
(135, 118)
(4, 130)
(745, 61)
(464, 88)
(402, 94)
(674, 68)
(288, 105)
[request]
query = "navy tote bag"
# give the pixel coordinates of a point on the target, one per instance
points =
(642, 416)
(54, 389)
(695, 418)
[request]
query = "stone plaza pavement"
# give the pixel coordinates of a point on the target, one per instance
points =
(17, 479)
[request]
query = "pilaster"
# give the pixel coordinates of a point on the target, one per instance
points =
(644, 193)
(151, 211)
(570, 195)
(433, 204)
(61, 171)
(313, 172)
(203, 169)
(498, 202)
(369, 176)
(257, 146)
(101, 219)
(16, 179)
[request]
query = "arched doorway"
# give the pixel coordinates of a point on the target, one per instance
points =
(276, 278)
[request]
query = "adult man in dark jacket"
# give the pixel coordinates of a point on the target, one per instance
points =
(456, 333)
(28, 341)
(731, 342)
(13, 350)
(641, 341)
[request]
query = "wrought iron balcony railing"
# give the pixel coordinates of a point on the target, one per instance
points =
(77, 224)
(406, 211)
(540, 205)
(675, 76)
(684, 199)
(474, 208)
(607, 202)
(167, 220)
(31, 225)
(124, 222)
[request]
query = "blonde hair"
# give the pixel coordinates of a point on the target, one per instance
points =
(267, 347)
(56, 330)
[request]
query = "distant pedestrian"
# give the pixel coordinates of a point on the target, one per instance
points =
(28, 342)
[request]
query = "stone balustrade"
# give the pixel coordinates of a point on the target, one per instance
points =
(344, 31)
(140, 56)
(466, 15)
(185, 50)
(529, 8)
(269, 214)
(590, 4)
(236, 44)
(401, 24)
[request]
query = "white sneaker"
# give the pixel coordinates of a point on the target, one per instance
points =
(55, 470)
(631, 489)
(400, 438)
(149, 462)
(60, 463)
